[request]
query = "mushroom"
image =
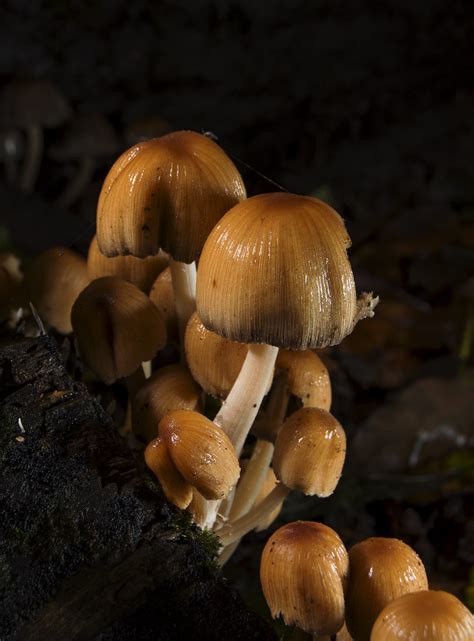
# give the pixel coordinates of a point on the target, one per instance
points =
(141, 272)
(32, 105)
(11, 150)
(381, 569)
(274, 272)
(170, 388)
(169, 193)
(309, 455)
(117, 327)
(53, 281)
(89, 137)
(427, 615)
(303, 572)
(201, 452)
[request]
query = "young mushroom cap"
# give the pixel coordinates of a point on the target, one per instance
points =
(141, 272)
(310, 450)
(214, 361)
(24, 103)
(117, 328)
(177, 490)
(53, 281)
(303, 571)
(168, 192)
(275, 270)
(428, 615)
(202, 453)
(381, 570)
(168, 389)
(308, 377)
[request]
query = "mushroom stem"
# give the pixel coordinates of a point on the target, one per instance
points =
(183, 277)
(79, 182)
(256, 471)
(237, 529)
(33, 155)
(240, 408)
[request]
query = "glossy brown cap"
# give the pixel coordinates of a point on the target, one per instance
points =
(428, 615)
(275, 270)
(202, 452)
(168, 192)
(214, 361)
(381, 570)
(141, 272)
(310, 450)
(162, 296)
(117, 328)
(308, 377)
(168, 389)
(177, 490)
(53, 281)
(303, 571)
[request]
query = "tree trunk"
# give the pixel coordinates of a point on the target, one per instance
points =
(89, 547)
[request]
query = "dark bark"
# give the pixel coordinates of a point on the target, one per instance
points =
(89, 547)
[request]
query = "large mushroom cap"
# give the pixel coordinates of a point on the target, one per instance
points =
(275, 270)
(168, 193)
(428, 615)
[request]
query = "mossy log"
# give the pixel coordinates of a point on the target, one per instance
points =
(89, 547)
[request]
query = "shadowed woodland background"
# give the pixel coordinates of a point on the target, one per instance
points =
(367, 105)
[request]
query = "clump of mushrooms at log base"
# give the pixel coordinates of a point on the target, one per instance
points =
(273, 284)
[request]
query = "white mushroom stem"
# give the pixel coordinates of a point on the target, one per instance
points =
(257, 468)
(240, 408)
(183, 277)
(33, 156)
(77, 185)
(133, 382)
(235, 530)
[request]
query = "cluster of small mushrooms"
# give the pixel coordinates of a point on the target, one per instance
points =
(273, 284)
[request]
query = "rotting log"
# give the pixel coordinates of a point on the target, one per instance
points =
(89, 547)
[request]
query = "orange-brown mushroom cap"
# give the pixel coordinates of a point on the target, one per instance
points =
(303, 571)
(428, 615)
(168, 192)
(275, 270)
(117, 327)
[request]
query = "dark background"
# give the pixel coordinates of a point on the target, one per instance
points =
(368, 104)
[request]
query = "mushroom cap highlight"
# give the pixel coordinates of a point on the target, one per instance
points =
(381, 569)
(275, 270)
(303, 572)
(428, 615)
(168, 192)
(117, 328)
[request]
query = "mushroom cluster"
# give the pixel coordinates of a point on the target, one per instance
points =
(273, 283)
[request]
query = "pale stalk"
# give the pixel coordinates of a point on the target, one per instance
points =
(237, 529)
(183, 277)
(133, 383)
(240, 408)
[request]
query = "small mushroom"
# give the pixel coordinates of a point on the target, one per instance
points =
(427, 615)
(381, 569)
(53, 281)
(88, 138)
(177, 490)
(162, 295)
(303, 572)
(201, 452)
(32, 105)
